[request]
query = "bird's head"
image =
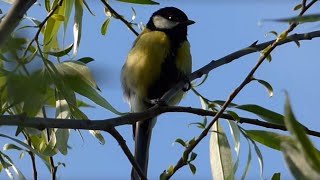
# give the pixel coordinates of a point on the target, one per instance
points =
(169, 18)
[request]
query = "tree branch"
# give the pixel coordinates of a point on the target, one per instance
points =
(42, 123)
(126, 151)
(12, 18)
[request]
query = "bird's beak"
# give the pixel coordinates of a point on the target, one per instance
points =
(188, 22)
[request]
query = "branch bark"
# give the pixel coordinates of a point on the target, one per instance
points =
(12, 18)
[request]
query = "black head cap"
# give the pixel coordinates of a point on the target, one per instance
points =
(168, 18)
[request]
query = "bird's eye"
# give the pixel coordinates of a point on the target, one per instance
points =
(170, 17)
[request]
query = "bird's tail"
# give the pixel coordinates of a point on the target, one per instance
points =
(142, 132)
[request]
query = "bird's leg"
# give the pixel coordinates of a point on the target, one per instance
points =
(188, 85)
(156, 101)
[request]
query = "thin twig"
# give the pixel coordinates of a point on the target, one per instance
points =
(32, 156)
(127, 151)
(120, 17)
(182, 162)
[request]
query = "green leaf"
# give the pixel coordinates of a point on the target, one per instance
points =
(61, 52)
(52, 27)
(76, 69)
(139, 1)
(234, 115)
(192, 168)
(297, 7)
(300, 19)
(57, 17)
(98, 135)
(180, 141)
(12, 146)
(170, 169)
(263, 113)
(193, 156)
(104, 26)
(235, 132)
(272, 32)
(62, 136)
(77, 26)
(266, 85)
(50, 149)
(88, 8)
(298, 132)
(276, 176)
(298, 164)
(260, 158)
(269, 139)
(248, 162)
(86, 60)
(68, 9)
(220, 154)
(27, 147)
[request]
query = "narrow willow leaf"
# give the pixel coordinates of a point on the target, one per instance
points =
(276, 176)
(180, 141)
(68, 8)
(139, 1)
(15, 169)
(88, 8)
(11, 146)
(77, 26)
(266, 85)
(220, 154)
(61, 52)
(27, 147)
(298, 163)
(248, 162)
(134, 14)
(297, 7)
(50, 149)
(62, 136)
(263, 113)
(295, 128)
(86, 60)
(104, 26)
(98, 135)
(272, 32)
(52, 28)
(202, 81)
(300, 19)
(235, 132)
(260, 158)
(77, 69)
(234, 115)
(269, 139)
(193, 156)
(192, 168)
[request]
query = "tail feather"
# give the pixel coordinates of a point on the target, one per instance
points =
(142, 132)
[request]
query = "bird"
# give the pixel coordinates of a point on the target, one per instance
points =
(159, 58)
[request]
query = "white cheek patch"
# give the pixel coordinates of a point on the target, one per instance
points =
(163, 23)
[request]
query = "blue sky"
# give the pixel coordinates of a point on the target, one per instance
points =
(221, 28)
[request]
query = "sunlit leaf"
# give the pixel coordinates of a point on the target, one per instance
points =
(50, 149)
(77, 26)
(220, 154)
(248, 162)
(98, 135)
(57, 17)
(180, 141)
(12, 146)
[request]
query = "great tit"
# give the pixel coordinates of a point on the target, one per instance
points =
(160, 58)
